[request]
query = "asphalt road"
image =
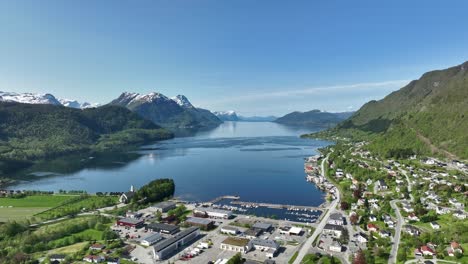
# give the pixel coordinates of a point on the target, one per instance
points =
(308, 244)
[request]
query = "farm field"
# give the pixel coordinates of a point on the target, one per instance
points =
(23, 208)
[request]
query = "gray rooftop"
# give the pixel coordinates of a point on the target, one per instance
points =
(198, 220)
(153, 238)
(333, 227)
(336, 216)
(163, 205)
(263, 226)
(168, 242)
(160, 226)
(131, 220)
(264, 243)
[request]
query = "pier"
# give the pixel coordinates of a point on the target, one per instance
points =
(278, 206)
(227, 197)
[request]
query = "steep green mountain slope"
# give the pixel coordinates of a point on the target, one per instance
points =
(34, 131)
(313, 118)
(429, 115)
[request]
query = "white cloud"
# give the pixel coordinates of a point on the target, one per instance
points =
(357, 87)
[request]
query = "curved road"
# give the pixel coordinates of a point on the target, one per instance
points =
(308, 244)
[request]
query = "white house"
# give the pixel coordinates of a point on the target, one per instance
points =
(435, 225)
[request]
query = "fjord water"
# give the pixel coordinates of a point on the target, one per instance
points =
(260, 162)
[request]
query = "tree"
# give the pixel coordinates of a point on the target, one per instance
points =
(344, 205)
(237, 259)
(359, 258)
(354, 219)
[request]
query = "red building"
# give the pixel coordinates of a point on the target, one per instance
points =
(131, 222)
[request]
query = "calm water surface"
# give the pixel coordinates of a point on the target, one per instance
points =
(261, 162)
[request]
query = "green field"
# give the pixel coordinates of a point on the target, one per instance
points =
(35, 201)
(22, 208)
(18, 213)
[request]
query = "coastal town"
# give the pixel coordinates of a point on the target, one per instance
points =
(394, 211)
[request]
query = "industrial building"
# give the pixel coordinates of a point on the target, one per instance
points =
(151, 239)
(236, 244)
(212, 213)
(162, 228)
(203, 223)
(130, 222)
(164, 206)
(167, 246)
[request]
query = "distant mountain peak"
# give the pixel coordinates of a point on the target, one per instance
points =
(33, 98)
(182, 101)
(227, 115)
(29, 98)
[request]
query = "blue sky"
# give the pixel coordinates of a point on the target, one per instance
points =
(255, 57)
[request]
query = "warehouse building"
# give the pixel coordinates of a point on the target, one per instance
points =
(151, 239)
(130, 222)
(162, 228)
(236, 244)
(212, 213)
(164, 206)
(203, 223)
(166, 247)
(230, 230)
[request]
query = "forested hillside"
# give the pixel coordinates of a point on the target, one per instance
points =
(428, 115)
(34, 131)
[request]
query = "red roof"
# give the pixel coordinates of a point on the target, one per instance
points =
(428, 249)
(372, 226)
(454, 245)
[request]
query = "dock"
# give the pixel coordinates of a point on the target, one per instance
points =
(224, 197)
(278, 206)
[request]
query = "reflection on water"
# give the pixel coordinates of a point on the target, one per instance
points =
(261, 162)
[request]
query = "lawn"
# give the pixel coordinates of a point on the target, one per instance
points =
(18, 213)
(312, 259)
(45, 201)
(293, 258)
(79, 204)
(68, 249)
(22, 208)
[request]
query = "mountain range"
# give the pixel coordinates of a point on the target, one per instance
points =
(427, 116)
(315, 118)
(173, 113)
(34, 98)
(233, 116)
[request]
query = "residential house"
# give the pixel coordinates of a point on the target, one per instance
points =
(454, 248)
(412, 230)
(385, 233)
(460, 215)
(335, 230)
(93, 259)
(361, 237)
(381, 185)
(413, 217)
(435, 225)
(372, 227)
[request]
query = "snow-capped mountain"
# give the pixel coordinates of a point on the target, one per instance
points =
(177, 112)
(33, 98)
(76, 104)
(29, 98)
(182, 101)
(227, 115)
